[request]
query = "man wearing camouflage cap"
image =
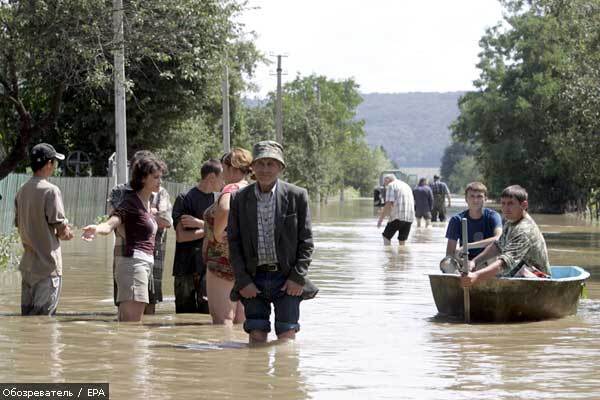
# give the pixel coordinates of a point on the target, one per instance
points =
(270, 247)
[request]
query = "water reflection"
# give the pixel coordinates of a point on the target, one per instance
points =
(370, 333)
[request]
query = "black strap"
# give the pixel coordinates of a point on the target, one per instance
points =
(516, 269)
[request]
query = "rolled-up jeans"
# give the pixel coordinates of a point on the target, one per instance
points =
(258, 309)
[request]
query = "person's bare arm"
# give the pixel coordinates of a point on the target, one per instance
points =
(489, 252)
(451, 247)
(221, 216)
(90, 231)
(482, 275)
(188, 235)
(486, 242)
(387, 208)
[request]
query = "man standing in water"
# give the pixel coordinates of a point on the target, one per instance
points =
(400, 206)
(189, 269)
(40, 219)
(440, 193)
(270, 247)
(521, 242)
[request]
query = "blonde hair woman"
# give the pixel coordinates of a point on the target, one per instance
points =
(219, 274)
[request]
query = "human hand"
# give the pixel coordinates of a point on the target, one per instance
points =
(190, 222)
(153, 210)
(292, 288)
(471, 265)
(379, 223)
(196, 278)
(469, 280)
(67, 233)
(249, 291)
(89, 232)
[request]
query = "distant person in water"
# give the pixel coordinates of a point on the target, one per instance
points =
(440, 194)
(484, 225)
(520, 245)
(423, 202)
(399, 207)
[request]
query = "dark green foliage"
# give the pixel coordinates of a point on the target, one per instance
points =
(535, 114)
(176, 51)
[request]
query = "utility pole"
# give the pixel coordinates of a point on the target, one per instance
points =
(119, 78)
(226, 130)
(278, 104)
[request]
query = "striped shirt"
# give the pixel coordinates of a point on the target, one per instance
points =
(401, 195)
(265, 213)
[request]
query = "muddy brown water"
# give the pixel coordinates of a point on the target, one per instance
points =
(371, 332)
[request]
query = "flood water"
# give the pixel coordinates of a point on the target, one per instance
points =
(370, 333)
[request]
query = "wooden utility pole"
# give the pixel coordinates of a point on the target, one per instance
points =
(278, 104)
(119, 78)
(226, 129)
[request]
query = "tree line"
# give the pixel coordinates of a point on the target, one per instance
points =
(56, 85)
(534, 118)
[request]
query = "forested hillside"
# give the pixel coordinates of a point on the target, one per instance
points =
(411, 127)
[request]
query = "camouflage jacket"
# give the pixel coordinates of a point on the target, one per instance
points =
(522, 241)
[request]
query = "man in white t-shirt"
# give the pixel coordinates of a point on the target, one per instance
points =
(400, 207)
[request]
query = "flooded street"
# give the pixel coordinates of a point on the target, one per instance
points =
(370, 333)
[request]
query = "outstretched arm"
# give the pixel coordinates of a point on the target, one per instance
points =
(90, 231)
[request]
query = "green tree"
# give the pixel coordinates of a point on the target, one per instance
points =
(58, 53)
(465, 171)
(325, 144)
(517, 116)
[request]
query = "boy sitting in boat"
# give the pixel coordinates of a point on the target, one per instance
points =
(521, 243)
(484, 224)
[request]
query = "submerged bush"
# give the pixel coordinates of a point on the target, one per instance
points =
(10, 250)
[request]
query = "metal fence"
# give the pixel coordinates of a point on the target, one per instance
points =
(84, 197)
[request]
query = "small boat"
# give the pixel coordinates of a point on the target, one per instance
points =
(512, 299)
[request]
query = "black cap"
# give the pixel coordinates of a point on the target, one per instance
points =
(436, 177)
(43, 152)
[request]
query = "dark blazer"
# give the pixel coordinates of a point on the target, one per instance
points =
(293, 236)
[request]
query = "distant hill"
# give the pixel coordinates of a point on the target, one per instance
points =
(411, 127)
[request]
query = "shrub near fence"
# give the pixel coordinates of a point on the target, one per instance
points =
(84, 197)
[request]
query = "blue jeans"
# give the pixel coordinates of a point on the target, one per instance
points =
(258, 309)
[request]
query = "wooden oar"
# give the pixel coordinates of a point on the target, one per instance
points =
(465, 270)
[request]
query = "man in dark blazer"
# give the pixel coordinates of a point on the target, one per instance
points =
(270, 247)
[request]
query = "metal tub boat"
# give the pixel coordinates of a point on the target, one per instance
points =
(512, 299)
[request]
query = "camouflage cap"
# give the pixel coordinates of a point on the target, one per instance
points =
(268, 149)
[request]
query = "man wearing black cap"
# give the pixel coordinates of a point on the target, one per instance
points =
(270, 247)
(40, 220)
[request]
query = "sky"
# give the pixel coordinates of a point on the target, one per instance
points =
(387, 46)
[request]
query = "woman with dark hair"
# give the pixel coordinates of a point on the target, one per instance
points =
(219, 275)
(134, 269)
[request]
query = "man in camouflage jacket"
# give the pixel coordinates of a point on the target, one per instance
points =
(521, 242)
